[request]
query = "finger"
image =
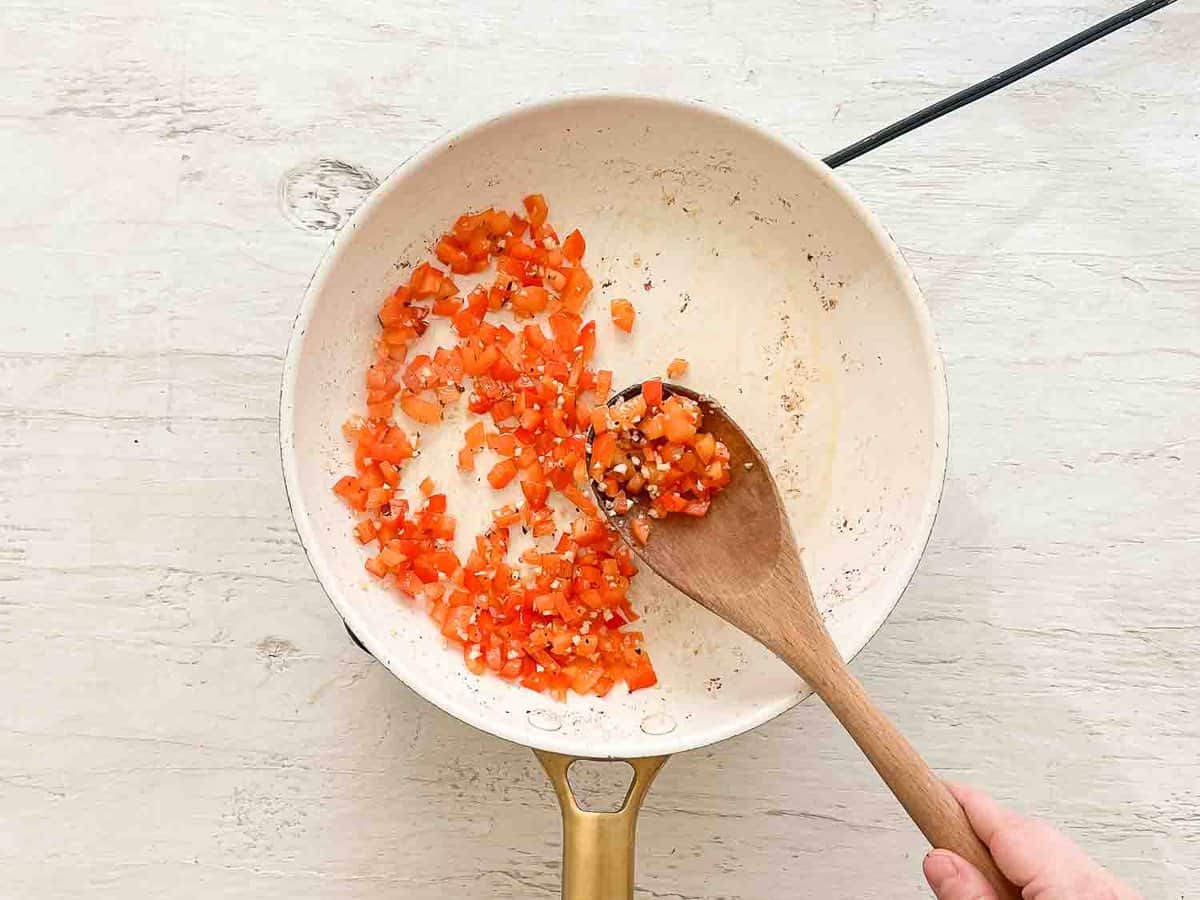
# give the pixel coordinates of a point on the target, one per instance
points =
(1024, 849)
(953, 878)
(987, 816)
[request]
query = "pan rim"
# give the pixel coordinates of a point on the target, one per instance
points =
(499, 726)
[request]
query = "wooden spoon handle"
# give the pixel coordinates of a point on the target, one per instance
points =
(923, 795)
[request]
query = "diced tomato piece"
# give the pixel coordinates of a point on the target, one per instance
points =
(623, 314)
(426, 282)
(565, 327)
(502, 473)
(444, 561)
(497, 222)
(588, 531)
(604, 449)
(351, 490)
(504, 444)
(442, 527)
(574, 246)
(448, 252)
(679, 429)
(457, 623)
(531, 419)
(475, 436)
(643, 676)
(545, 236)
(536, 493)
(585, 677)
(652, 392)
(478, 359)
(473, 657)
(378, 497)
(511, 668)
(466, 322)
(392, 557)
(600, 419)
(447, 307)
(530, 300)
(581, 500)
(576, 290)
(536, 209)
(506, 516)
(503, 411)
(419, 409)
(504, 370)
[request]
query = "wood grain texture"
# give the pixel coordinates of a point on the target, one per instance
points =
(182, 714)
(742, 562)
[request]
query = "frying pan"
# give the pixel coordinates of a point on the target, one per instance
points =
(753, 260)
(745, 255)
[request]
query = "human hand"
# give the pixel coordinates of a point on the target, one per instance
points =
(1040, 860)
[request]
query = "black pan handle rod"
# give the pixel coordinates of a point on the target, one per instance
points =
(997, 81)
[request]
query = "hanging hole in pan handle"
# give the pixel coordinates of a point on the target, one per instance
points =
(598, 847)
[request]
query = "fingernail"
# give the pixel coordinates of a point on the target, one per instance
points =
(940, 869)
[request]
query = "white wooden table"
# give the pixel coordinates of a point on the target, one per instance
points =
(182, 715)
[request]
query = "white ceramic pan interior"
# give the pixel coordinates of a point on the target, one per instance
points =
(744, 255)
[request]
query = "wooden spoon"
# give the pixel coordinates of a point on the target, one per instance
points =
(741, 562)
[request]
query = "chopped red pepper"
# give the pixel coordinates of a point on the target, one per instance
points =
(557, 621)
(623, 314)
(657, 454)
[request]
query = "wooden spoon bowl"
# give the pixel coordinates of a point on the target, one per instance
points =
(741, 562)
(704, 557)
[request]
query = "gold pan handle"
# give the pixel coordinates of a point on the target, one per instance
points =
(598, 847)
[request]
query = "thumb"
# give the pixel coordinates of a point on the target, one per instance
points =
(953, 878)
